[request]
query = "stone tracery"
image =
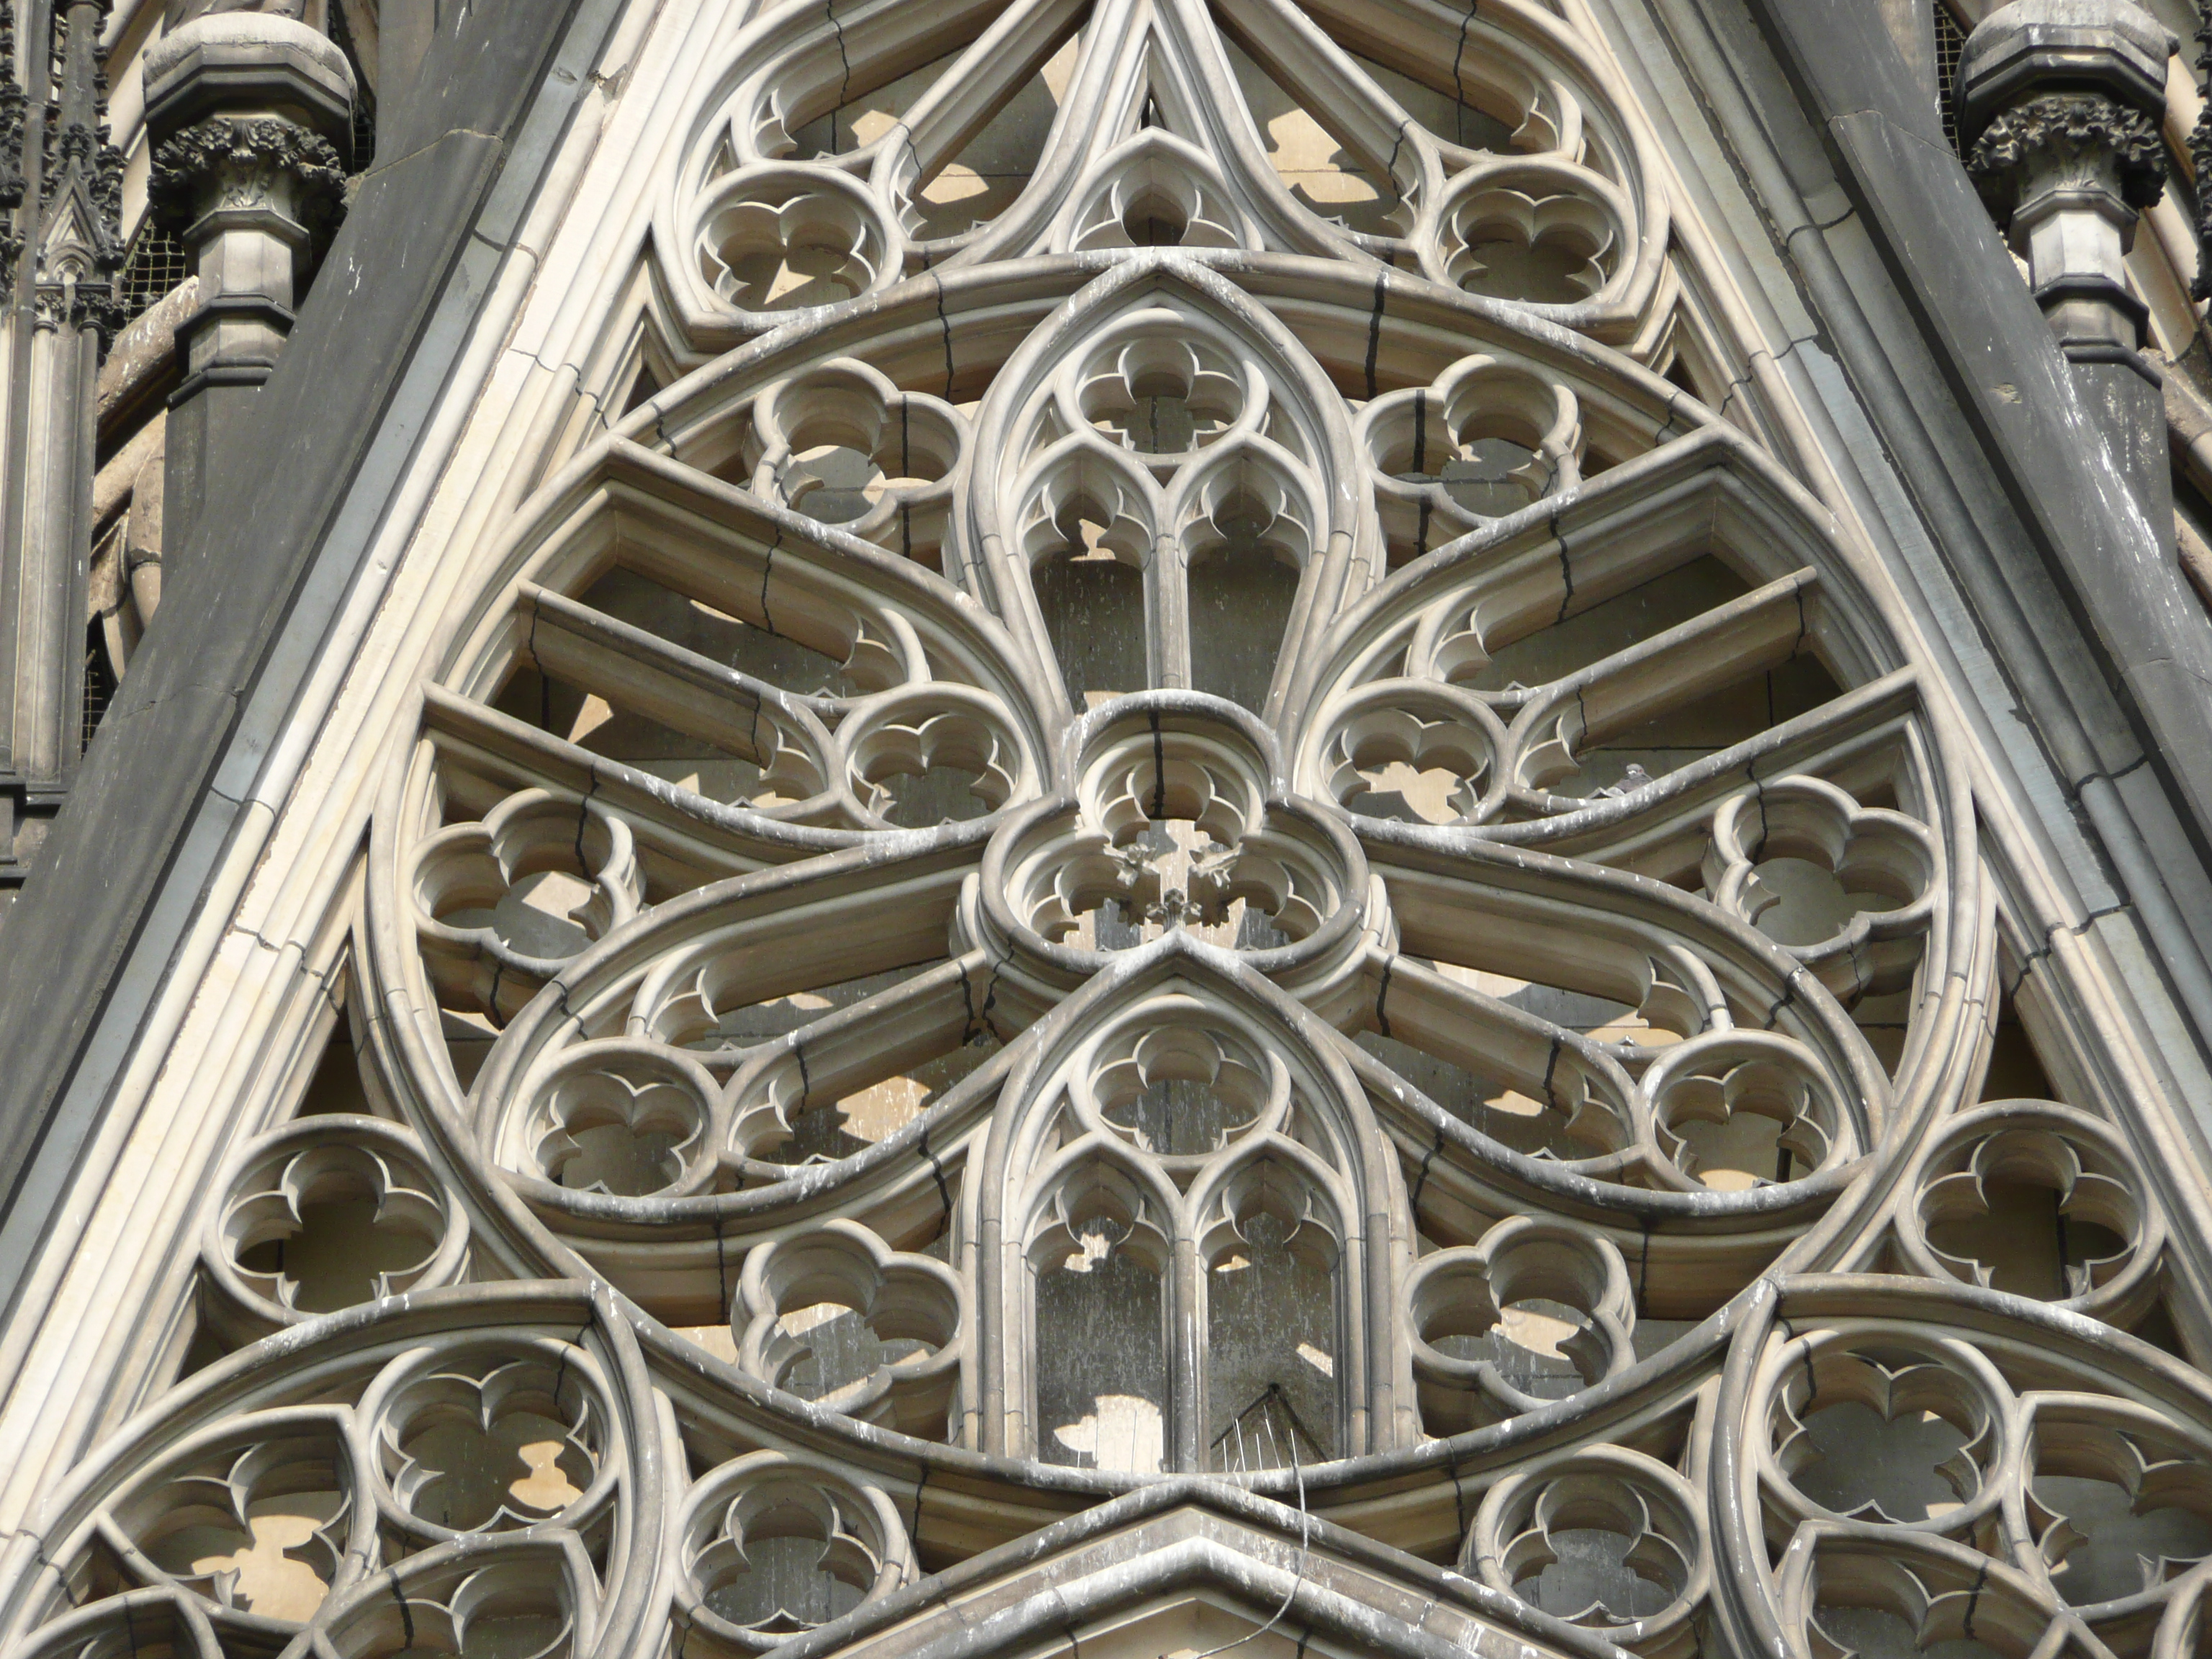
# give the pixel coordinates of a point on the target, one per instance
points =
(1410, 922)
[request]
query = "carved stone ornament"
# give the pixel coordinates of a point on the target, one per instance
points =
(2200, 158)
(1168, 886)
(14, 104)
(2060, 103)
(2069, 131)
(245, 164)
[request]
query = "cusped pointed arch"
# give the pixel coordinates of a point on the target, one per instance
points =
(1190, 428)
(1177, 1121)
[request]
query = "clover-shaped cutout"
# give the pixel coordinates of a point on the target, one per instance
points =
(1134, 792)
(1081, 494)
(1258, 889)
(1488, 438)
(492, 1441)
(327, 1212)
(1157, 190)
(1537, 1309)
(1183, 1091)
(514, 1601)
(1273, 1194)
(1163, 396)
(843, 445)
(1538, 234)
(1847, 889)
(776, 1544)
(785, 237)
(1098, 1210)
(928, 757)
(788, 1567)
(1274, 874)
(837, 1316)
(1583, 1504)
(502, 904)
(1902, 1437)
(2039, 1200)
(1735, 1109)
(1416, 751)
(621, 1118)
(1244, 499)
(1887, 1593)
(1606, 1538)
(2118, 1503)
(1174, 830)
(261, 1528)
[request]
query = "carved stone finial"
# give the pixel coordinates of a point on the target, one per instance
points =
(2060, 103)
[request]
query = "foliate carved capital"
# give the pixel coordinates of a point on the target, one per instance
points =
(77, 306)
(249, 163)
(2065, 139)
(97, 306)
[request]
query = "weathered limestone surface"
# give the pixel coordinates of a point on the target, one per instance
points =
(1152, 827)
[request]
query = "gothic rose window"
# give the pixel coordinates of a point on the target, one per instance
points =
(1167, 806)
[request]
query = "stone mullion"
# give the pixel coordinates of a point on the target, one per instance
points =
(70, 315)
(1167, 604)
(1187, 1391)
(1001, 1417)
(50, 688)
(64, 246)
(27, 166)
(48, 616)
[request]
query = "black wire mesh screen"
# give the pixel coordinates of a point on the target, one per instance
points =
(98, 682)
(155, 264)
(1950, 41)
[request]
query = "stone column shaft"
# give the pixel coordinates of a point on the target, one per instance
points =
(2060, 104)
(61, 182)
(252, 115)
